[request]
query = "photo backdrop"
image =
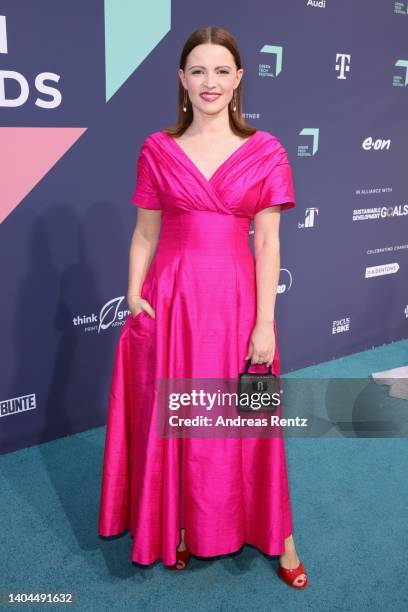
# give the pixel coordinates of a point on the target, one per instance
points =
(82, 85)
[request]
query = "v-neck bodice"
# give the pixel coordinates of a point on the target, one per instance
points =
(254, 176)
(227, 160)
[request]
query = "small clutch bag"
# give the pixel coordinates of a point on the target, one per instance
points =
(250, 384)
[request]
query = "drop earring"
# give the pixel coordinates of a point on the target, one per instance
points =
(234, 105)
(185, 101)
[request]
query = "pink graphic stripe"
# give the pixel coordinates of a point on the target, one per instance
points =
(26, 155)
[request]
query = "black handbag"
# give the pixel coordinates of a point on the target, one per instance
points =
(250, 385)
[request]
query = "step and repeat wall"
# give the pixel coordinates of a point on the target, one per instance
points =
(82, 85)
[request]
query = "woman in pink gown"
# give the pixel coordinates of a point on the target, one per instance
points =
(201, 288)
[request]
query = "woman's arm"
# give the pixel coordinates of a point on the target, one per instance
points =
(142, 249)
(267, 261)
(267, 257)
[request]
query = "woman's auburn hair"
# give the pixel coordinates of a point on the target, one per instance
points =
(217, 36)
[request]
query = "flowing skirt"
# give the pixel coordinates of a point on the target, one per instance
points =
(224, 491)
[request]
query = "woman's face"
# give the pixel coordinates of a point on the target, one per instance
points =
(210, 68)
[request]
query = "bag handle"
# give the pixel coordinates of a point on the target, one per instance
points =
(248, 365)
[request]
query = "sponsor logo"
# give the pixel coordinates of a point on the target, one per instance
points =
(16, 405)
(310, 218)
(401, 79)
(287, 281)
(312, 146)
(379, 144)
(341, 325)
(274, 67)
(110, 315)
(380, 212)
(401, 7)
(316, 3)
(391, 268)
(342, 64)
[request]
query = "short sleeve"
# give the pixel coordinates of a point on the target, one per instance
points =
(146, 194)
(277, 186)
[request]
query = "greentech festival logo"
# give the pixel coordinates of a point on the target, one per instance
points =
(311, 146)
(272, 67)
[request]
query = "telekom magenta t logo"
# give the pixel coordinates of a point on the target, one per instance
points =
(342, 64)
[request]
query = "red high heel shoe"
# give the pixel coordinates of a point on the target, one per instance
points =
(291, 576)
(183, 557)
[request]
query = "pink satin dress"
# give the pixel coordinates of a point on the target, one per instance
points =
(225, 492)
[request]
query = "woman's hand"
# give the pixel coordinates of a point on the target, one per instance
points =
(262, 344)
(136, 304)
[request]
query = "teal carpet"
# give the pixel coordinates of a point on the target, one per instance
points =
(350, 514)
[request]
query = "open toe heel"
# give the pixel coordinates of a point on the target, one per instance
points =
(183, 557)
(293, 576)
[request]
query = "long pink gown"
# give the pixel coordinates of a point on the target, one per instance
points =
(224, 491)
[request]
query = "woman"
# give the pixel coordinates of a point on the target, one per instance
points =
(200, 306)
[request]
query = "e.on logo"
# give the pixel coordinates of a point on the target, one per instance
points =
(379, 144)
(23, 84)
